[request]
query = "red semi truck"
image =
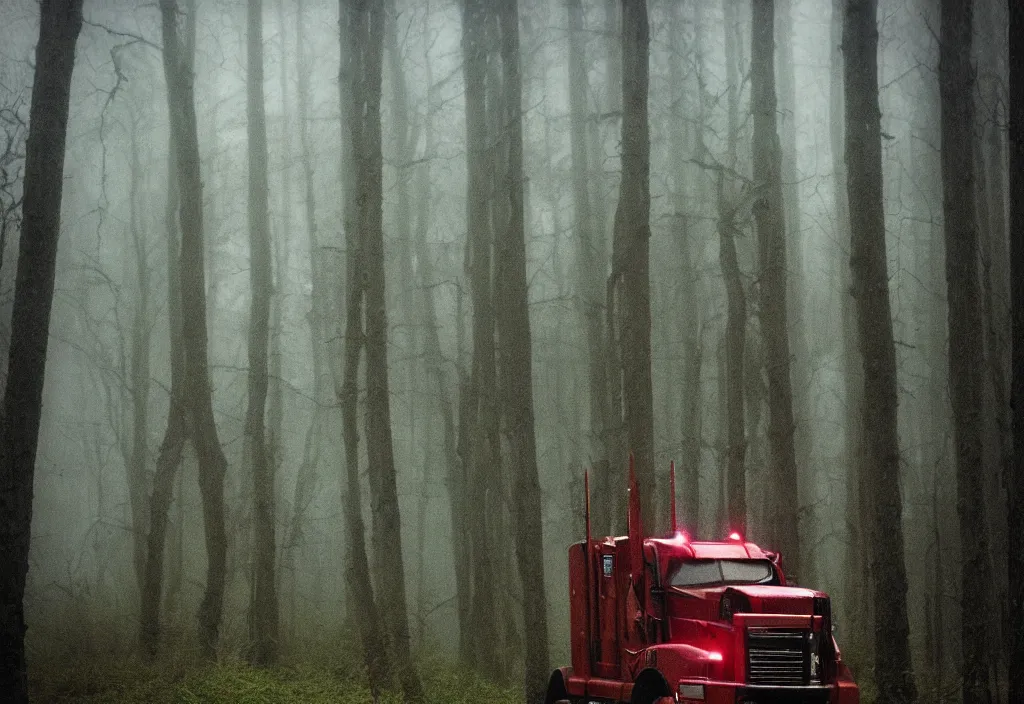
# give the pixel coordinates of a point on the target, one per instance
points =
(661, 620)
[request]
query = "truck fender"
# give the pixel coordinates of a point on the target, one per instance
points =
(557, 690)
(650, 686)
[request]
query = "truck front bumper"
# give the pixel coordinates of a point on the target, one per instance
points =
(733, 693)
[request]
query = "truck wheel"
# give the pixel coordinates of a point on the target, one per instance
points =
(556, 693)
(651, 688)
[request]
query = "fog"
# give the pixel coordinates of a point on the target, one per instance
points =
(108, 380)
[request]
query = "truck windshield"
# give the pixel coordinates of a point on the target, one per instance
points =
(700, 573)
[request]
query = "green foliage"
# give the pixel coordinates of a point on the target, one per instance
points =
(448, 684)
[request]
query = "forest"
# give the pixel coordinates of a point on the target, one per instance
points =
(327, 327)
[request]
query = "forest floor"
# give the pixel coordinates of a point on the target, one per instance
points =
(132, 680)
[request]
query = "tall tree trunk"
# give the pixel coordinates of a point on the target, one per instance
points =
(197, 395)
(771, 239)
(60, 22)
(990, 182)
(688, 299)
(718, 507)
(966, 354)
(936, 431)
(281, 263)
(138, 461)
(480, 457)
(516, 380)
(280, 223)
(796, 287)
(404, 137)
(736, 301)
(175, 432)
(692, 418)
(735, 334)
(176, 548)
(358, 571)
(356, 35)
(499, 498)
(591, 257)
(631, 254)
(263, 606)
(857, 602)
(609, 499)
(893, 673)
(387, 524)
(1015, 480)
(754, 395)
(994, 381)
(458, 478)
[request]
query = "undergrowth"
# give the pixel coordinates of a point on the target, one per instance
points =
(171, 681)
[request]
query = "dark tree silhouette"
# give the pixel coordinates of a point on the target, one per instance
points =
(479, 445)
(362, 35)
(966, 354)
(857, 599)
(736, 299)
(191, 412)
(1015, 527)
(60, 22)
(608, 499)
(893, 673)
(387, 522)
(630, 279)
(591, 261)
(772, 291)
(263, 606)
(516, 368)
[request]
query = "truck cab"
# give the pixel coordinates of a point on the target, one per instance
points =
(666, 619)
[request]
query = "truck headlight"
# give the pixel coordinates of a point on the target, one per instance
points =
(733, 602)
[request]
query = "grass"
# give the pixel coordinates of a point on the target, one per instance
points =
(89, 656)
(132, 680)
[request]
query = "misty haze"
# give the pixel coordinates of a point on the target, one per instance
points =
(338, 336)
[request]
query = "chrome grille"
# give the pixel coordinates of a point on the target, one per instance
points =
(778, 657)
